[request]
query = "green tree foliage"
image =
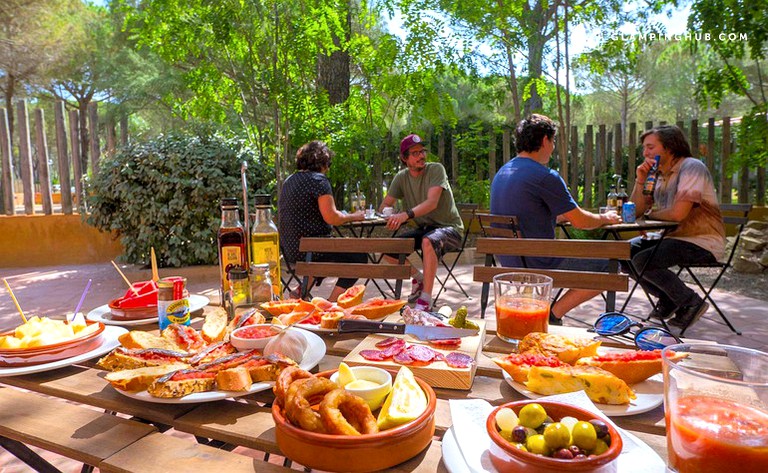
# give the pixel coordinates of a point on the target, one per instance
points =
(165, 194)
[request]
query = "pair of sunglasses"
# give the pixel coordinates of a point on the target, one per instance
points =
(646, 338)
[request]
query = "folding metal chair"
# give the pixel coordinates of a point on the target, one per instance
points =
(467, 212)
(733, 214)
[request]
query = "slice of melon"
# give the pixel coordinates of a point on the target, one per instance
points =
(352, 296)
(378, 308)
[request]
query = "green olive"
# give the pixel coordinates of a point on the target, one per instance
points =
(557, 436)
(584, 435)
(537, 444)
(600, 447)
(532, 415)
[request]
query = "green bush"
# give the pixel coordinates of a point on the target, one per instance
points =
(165, 193)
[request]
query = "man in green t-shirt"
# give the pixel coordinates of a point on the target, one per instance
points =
(427, 199)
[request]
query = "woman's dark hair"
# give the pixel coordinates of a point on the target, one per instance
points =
(531, 131)
(672, 139)
(313, 156)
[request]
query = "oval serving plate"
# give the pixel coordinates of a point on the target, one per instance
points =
(11, 357)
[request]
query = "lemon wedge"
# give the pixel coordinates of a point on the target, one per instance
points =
(345, 375)
(405, 402)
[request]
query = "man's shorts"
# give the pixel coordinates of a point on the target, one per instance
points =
(443, 239)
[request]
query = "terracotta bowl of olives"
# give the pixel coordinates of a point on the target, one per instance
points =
(551, 437)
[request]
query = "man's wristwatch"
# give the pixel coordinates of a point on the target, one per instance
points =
(410, 214)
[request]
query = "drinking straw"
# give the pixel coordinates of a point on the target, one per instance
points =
(125, 279)
(155, 276)
(82, 298)
(21, 312)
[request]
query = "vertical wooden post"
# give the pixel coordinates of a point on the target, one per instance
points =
(588, 180)
(662, 123)
(618, 164)
(744, 184)
(760, 200)
(574, 168)
(111, 138)
(492, 157)
(506, 145)
(123, 130)
(632, 163)
(454, 160)
(680, 124)
(441, 146)
(726, 181)
(93, 132)
(7, 164)
(77, 161)
(63, 155)
(711, 148)
(648, 125)
(25, 158)
(601, 164)
(43, 171)
(695, 138)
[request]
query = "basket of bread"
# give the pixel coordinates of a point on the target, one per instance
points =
(43, 340)
(181, 363)
(553, 364)
(351, 419)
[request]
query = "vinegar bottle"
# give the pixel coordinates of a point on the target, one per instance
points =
(265, 242)
(231, 240)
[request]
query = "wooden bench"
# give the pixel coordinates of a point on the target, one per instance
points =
(371, 270)
(613, 251)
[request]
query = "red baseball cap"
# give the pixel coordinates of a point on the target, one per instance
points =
(409, 142)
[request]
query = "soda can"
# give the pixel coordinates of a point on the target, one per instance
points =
(628, 212)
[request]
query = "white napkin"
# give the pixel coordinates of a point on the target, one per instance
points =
(469, 418)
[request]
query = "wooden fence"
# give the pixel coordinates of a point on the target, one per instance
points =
(77, 139)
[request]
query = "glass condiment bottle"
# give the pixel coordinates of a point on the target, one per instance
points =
(623, 196)
(172, 303)
(239, 288)
(231, 240)
(265, 241)
(653, 175)
(613, 198)
(261, 284)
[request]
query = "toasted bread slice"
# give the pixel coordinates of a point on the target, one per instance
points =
(234, 379)
(632, 367)
(215, 325)
(182, 383)
(567, 349)
(601, 386)
(140, 378)
(126, 359)
(517, 365)
(185, 337)
(330, 320)
(141, 339)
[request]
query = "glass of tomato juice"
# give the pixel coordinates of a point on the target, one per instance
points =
(522, 304)
(716, 408)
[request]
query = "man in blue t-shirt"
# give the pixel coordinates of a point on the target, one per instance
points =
(527, 188)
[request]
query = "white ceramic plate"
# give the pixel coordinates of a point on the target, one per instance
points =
(102, 314)
(650, 395)
(108, 343)
(312, 356)
(642, 459)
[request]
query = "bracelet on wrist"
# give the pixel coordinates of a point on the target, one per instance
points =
(410, 214)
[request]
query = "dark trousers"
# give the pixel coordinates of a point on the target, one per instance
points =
(657, 278)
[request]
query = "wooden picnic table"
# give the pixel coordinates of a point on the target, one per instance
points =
(73, 418)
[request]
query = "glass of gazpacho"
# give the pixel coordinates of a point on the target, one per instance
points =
(522, 304)
(716, 406)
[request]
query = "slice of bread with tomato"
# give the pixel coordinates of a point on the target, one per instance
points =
(631, 366)
(517, 365)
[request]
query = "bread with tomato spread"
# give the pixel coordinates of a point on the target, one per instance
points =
(122, 358)
(142, 339)
(517, 365)
(182, 383)
(631, 366)
(184, 337)
(140, 378)
(567, 349)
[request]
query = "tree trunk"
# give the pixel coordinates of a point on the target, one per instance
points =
(535, 55)
(333, 71)
(10, 87)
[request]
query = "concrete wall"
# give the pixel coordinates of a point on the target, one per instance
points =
(49, 240)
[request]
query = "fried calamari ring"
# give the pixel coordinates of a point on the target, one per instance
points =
(301, 395)
(287, 376)
(343, 413)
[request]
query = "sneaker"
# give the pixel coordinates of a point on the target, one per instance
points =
(554, 320)
(689, 314)
(421, 304)
(416, 288)
(664, 309)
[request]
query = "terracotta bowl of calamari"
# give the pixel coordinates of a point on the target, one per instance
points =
(355, 453)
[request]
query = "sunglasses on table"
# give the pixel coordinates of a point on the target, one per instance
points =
(646, 338)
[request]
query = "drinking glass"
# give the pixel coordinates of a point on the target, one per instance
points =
(716, 405)
(522, 304)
